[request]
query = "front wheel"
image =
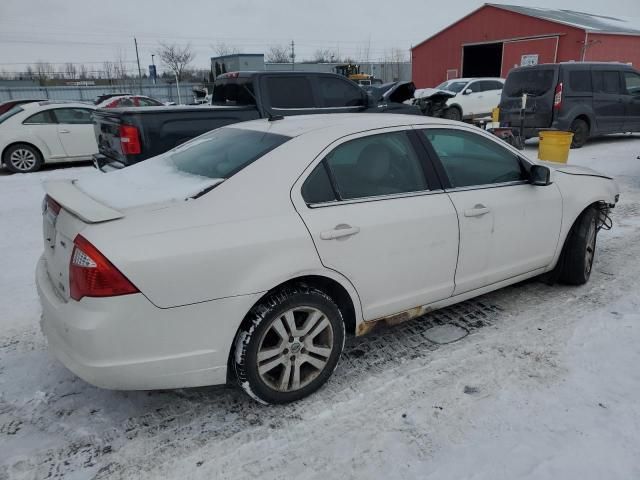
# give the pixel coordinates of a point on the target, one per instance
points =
(453, 113)
(22, 158)
(580, 249)
(289, 346)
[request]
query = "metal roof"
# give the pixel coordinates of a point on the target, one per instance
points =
(581, 20)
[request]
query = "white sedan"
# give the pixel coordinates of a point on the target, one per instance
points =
(249, 251)
(36, 133)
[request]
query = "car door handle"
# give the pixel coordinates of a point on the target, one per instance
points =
(339, 231)
(476, 211)
(64, 131)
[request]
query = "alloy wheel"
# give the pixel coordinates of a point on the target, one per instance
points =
(295, 349)
(23, 159)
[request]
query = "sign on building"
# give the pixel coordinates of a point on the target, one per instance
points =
(531, 59)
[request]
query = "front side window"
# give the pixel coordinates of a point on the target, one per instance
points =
(290, 92)
(469, 159)
(383, 164)
(606, 81)
(223, 152)
(39, 118)
(339, 93)
(632, 83)
(73, 116)
(580, 81)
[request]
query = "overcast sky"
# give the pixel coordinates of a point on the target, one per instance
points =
(92, 31)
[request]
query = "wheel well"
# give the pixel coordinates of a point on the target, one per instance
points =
(327, 285)
(20, 143)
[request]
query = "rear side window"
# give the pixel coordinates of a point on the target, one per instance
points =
(383, 164)
(317, 187)
(233, 92)
(73, 116)
(580, 81)
(489, 85)
(535, 82)
(223, 152)
(40, 117)
(10, 113)
(290, 92)
(339, 93)
(606, 81)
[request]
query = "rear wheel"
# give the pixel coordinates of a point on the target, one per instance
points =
(580, 248)
(22, 158)
(580, 129)
(453, 113)
(289, 345)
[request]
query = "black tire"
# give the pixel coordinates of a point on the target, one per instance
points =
(22, 158)
(260, 334)
(579, 249)
(453, 113)
(580, 129)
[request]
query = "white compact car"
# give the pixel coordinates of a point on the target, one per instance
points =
(249, 251)
(475, 97)
(36, 133)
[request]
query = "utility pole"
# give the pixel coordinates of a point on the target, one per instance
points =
(155, 73)
(293, 55)
(139, 71)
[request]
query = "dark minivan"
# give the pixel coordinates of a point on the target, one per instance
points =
(586, 98)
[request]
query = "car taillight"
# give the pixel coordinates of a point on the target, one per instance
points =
(92, 275)
(557, 98)
(129, 140)
(50, 205)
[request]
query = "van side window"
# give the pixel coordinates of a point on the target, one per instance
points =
(580, 81)
(632, 83)
(606, 81)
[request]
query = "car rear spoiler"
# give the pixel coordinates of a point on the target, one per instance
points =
(74, 200)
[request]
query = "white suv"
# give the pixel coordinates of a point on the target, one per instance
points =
(45, 132)
(475, 97)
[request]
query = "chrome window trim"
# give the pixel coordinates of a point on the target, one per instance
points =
(317, 108)
(487, 185)
(375, 198)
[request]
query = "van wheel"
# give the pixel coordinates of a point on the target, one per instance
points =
(22, 158)
(289, 346)
(579, 250)
(453, 113)
(580, 130)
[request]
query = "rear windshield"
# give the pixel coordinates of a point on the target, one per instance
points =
(223, 152)
(233, 92)
(534, 82)
(10, 113)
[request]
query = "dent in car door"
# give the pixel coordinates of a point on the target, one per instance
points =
(393, 238)
(507, 226)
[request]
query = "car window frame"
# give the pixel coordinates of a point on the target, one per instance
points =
(322, 100)
(48, 112)
(444, 176)
(269, 101)
(58, 122)
(624, 82)
(431, 177)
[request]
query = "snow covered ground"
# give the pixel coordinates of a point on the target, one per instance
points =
(546, 384)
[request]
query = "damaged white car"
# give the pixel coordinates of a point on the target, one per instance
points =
(249, 253)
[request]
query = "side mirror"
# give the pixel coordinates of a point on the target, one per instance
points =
(540, 175)
(467, 91)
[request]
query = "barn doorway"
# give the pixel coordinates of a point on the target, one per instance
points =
(482, 60)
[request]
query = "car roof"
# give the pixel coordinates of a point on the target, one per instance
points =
(344, 123)
(54, 103)
(469, 79)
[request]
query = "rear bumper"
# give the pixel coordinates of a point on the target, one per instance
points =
(127, 343)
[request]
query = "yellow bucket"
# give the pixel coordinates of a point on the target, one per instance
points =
(495, 115)
(554, 146)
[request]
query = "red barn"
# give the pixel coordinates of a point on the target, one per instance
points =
(493, 39)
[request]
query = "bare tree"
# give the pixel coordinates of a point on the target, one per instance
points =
(107, 70)
(176, 58)
(43, 70)
(70, 70)
(278, 54)
(223, 49)
(84, 73)
(29, 72)
(325, 55)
